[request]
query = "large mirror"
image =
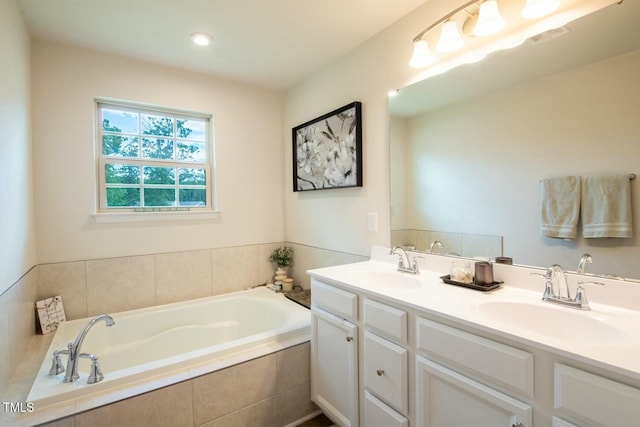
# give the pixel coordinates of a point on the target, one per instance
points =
(469, 148)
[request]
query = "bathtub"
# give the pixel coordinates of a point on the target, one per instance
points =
(153, 347)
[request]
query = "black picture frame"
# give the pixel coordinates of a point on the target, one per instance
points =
(327, 151)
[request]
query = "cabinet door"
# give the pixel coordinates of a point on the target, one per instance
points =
(334, 373)
(447, 398)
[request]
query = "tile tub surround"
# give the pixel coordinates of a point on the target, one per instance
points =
(271, 390)
(93, 287)
(83, 283)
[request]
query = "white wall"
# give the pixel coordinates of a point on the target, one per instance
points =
(17, 233)
(476, 165)
(248, 149)
(337, 219)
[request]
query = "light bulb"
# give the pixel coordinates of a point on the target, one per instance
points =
(201, 39)
(489, 19)
(421, 54)
(538, 8)
(450, 38)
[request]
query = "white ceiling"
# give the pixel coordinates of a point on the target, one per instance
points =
(271, 43)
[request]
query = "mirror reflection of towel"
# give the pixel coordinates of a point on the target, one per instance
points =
(606, 206)
(560, 207)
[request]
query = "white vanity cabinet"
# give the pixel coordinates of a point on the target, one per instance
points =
(334, 353)
(381, 358)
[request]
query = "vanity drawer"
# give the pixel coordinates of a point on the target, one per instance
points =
(491, 361)
(378, 414)
(594, 399)
(336, 301)
(386, 371)
(385, 320)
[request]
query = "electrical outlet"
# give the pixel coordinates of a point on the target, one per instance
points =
(372, 221)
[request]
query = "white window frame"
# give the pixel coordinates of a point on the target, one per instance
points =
(117, 214)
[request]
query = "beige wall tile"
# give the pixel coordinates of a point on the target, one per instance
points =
(5, 368)
(262, 414)
(183, 275)
(169, 406)
(22, 318)
(319, 258)
(300, 265)
(68, 279)
(294, 404)
(63, 422)
(120, 284)
(228, 390)
(234, 269)
(293, 367)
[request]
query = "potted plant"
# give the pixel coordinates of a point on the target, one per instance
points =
(282, 257)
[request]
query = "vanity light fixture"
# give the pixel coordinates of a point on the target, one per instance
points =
(450, 38)
(488, 26)
(489, 19)
(201, 39)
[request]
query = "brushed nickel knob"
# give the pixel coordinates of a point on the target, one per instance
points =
(380, 372)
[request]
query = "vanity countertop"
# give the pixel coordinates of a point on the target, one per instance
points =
(607, 336)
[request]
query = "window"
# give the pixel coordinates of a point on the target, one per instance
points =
(153, 160)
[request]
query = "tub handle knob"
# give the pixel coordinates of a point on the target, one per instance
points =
(349, 339)
(380, 372)
(95, 375)
(56, 363)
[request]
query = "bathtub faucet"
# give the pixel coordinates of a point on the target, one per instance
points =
(73, 352)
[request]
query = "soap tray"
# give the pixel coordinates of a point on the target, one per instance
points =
(476, 286)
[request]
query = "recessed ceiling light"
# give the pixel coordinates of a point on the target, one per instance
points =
(201, 39)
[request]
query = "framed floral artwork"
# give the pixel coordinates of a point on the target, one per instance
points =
(327, 151)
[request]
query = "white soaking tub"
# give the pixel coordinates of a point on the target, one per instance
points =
(152, 347)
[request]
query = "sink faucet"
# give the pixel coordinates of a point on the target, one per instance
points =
(404, 264)
(557, 270)
(435, 244)
(73, 352)
(585, 259)
(580, 301)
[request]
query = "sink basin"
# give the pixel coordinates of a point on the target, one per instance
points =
(386, 279)
(557, 322)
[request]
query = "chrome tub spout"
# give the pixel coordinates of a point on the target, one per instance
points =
(73, 348)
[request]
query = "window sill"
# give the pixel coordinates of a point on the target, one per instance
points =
(121, 217)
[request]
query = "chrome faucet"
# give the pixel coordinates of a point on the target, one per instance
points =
(404, 264)
(550, 295)
(557, 270)
(435, 244)
(73, 353)
(585, 259)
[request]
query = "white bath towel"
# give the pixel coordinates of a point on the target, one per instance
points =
(606, 206)
(560, 207)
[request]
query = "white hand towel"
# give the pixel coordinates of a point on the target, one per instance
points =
(606, 206)
(560, 207)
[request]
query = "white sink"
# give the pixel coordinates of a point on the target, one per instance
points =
(559, 322)
(386, 279)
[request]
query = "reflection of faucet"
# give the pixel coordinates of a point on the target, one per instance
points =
(404, 264)
(579, 302)
(585, 259)
(436, 244)
(73, 351)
